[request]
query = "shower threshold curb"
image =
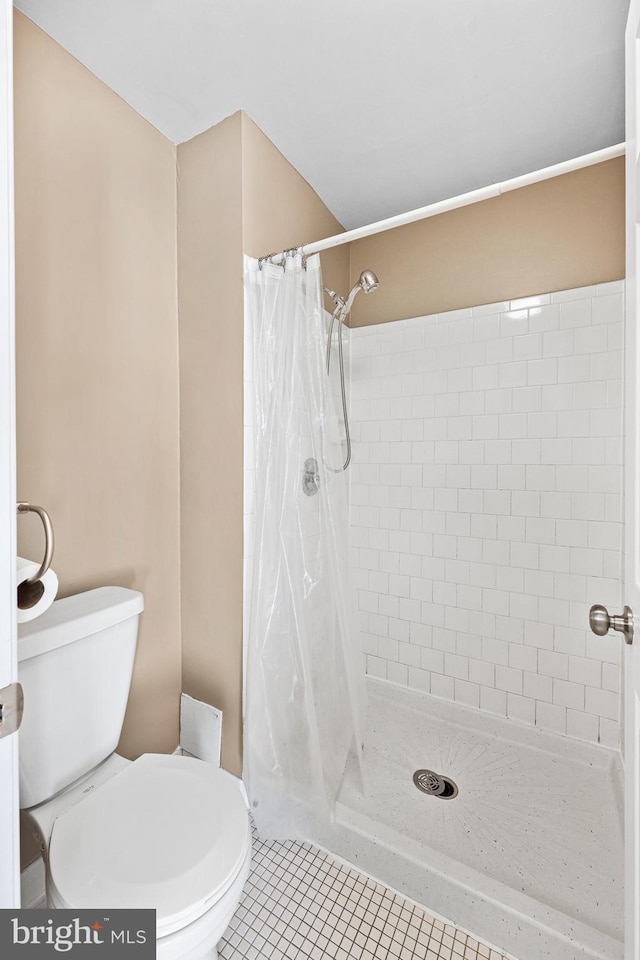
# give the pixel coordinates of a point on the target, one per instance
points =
(516, 923)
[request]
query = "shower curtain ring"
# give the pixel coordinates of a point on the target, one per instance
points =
(283, 254)
(298, 252)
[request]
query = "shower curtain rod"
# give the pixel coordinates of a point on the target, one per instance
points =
(463, 200)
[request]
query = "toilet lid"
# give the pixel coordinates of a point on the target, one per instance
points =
(168, 833)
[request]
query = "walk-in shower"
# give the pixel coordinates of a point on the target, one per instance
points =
(367, 282)
(483, 510)
(484, 516)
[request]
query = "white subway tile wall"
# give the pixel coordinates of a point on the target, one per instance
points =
(486, 505)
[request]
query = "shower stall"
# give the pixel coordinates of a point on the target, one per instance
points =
(486, 514)
(479, 459)
(485, 511)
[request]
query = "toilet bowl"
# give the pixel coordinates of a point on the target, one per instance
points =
(164, 833)
(168, 833)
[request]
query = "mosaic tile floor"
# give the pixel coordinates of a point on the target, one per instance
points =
(301, 904)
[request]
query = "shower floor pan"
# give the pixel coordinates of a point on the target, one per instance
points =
(528, 855)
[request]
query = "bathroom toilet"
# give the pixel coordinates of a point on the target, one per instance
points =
(169, 833)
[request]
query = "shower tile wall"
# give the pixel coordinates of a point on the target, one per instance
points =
(486, 505)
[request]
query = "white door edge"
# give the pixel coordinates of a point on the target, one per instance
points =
(631, 653)
(9, 814)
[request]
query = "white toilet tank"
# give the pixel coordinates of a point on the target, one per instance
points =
(75, 664)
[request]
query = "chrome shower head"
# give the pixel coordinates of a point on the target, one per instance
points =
(368, 281)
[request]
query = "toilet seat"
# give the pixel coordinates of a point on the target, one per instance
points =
(168, 833)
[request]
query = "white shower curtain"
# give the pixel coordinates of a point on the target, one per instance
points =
(304, 693)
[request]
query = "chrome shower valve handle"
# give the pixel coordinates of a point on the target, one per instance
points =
(310, 477)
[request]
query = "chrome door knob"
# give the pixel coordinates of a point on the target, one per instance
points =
(600, 622)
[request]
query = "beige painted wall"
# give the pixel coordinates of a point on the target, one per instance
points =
(97, 363)
(281, 210)
(561, 233)
(210, 298)
(236, 193)
(97, 355)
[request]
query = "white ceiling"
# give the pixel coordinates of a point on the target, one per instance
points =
(382, 105)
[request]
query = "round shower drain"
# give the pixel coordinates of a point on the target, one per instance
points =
(435, 785)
